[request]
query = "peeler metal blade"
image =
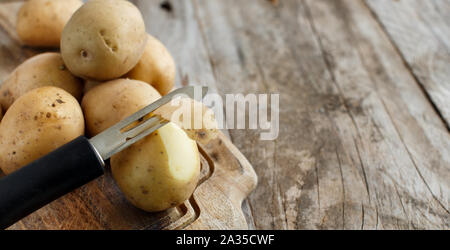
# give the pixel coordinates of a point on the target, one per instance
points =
(139, 124)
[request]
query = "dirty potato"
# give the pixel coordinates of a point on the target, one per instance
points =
(111, 102)
(39, 122)
(156, 67)
(193, 117)
(104, 39)
(45, 69)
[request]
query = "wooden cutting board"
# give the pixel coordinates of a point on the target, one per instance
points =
(226, 179)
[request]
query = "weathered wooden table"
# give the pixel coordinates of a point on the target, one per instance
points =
(364, 102)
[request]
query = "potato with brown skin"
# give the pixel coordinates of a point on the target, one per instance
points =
(156, 67)
(104, 39)
(39, 122)
(111, 102)
(160, 171)
(193, 117)
(45, 69)
(41, 22)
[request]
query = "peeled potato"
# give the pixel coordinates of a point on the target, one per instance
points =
(156, 67)
(104, 39)
(45, 69)
(41, 22)
(111, 102)
(39, 122)
(159, 171)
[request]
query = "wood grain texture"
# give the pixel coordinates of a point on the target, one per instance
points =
(360, 146)
(421, 31)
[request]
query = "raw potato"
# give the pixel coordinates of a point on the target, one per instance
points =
(41, 22)
(185, 112)
(104, 39)
(36, 124)
(111, 102)
(45, 69)
(159, 171)
(156, 67)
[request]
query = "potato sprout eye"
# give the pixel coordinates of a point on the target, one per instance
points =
(83, 53)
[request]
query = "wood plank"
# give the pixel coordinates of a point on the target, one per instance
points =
(397, 115)
(421, 31)
(360, 146)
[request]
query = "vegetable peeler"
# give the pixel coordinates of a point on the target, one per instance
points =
(76, 163)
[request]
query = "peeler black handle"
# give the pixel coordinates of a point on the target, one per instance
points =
(46, 179)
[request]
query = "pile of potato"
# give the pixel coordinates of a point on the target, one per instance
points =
(107, 69)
